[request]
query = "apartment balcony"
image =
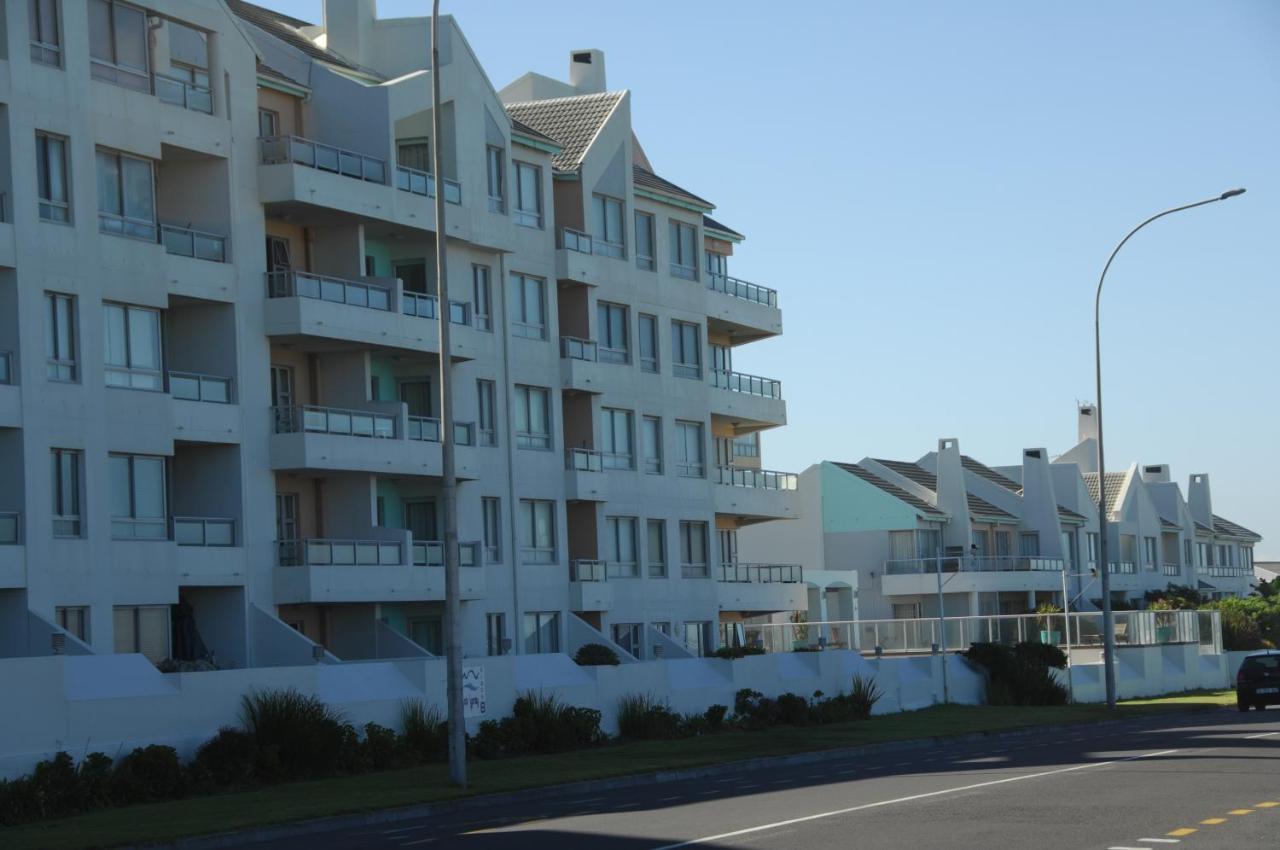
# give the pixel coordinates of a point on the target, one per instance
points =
(1171, 569)
(580, 258)
(580, 366)
(761, 588)
(747, 399)
(746, 311)
(305, 176)
(10, 393)
(307, 307)
(584, 474)
(589, 587)
(424, 183)
(756, 494)
(971, 574)
(391, 568)
(196, 263)
(13, 554)
(184, 117)
(1213, 571)
(209, 553)
(204, 408)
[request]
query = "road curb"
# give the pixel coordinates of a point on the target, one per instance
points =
(528, 795)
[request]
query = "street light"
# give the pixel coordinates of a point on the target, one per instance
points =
(1108, 633)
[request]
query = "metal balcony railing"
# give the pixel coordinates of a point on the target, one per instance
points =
(430, 553)
(192, 386)
(761, 573)
(573, 348)
(122, 225)
(740, 382)
(426, 306)
(316, 552)
(736, 288)
(184, 94)
(10, 524)
(312, 419)
(758, 479)
(204, 531)
(584, 569)
(186, 242)
(427, 430)
(424, 183)
(973, 564)
(583, 460)
(292, 283)
(575, 240)
(295, 149)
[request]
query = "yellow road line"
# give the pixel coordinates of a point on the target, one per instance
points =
(1270, 804)
(1186, 830)
(1240, 812)
(1213, 821)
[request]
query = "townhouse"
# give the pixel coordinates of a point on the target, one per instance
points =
(219, 356)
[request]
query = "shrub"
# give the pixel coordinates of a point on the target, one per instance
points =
(149, 774)
(382, 749)
(424, 729)
(1041, 653)
(1240, 631)
(229, 759)
(715, 715)
(754, 710)
(540, 723)
(1020, 675)
(738, 651)
(793, 710)
(595, 655)
(863, 696)
(309, 736)
(643, 717)
(95, 780)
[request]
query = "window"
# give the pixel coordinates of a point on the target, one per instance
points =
(693, 549)
(541, 631)
(717, 264)
(493, 172)
(137, 497)
(142, 628)
(483, 298)
(66, 493)
(648, 343)
(612, 346)
(46, 41)
(1092, 538)
(616, 435)
(644, 241)
(686, 352)
(73, 619)
(1029, 544)
(414, 154)
(528, 210)
(1149, 544)
(118, 44)
(428, 633)
(1187, 554)
(656, 547)
(528, 306)
(748, 445)
(689, 450)
(187, 82)
(485, 395)
(697, 637)
(491, 508)
(60, 337)
(1204, 554)
(132, 342)
(537, 531)
(621, 547)
(651, 445)
(608, 237)
(268, 123)
(51, 178)
(495, 627)
(684, 252)
(533, 418)
(126, 196)
(414, 276)
(627, 636)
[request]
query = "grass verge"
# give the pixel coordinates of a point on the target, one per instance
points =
(368, 792)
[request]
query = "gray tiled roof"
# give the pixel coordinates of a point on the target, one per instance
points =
(1200, 526)
(518, 126)
(1169, 525)
(286, 29)
(1229, 529)
(572, 122)
(645, 178)
(990, 474)
(1114, 481)
(977, 506)
(1067, 513)
(709, 222)
(892, 489)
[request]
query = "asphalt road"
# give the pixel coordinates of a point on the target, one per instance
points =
(1191, 783)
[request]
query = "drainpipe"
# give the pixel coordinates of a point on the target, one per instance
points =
(509, 428)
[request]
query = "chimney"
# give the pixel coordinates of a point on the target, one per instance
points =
(1039, 504)
(586, 71)
(345, 24)
(1156, 473)
(1087, 423)
(953, 496)
(1199, 500)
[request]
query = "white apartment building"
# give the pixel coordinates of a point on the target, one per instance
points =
(219, 353)
(880, 537)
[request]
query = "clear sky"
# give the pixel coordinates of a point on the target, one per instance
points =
(933, 188)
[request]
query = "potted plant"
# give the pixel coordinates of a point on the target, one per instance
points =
(1163, 619)
(1050, 626)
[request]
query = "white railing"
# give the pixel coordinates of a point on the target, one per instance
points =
(295, 149)
(1123, 568)
(573, 348)
(10, 523)
(192, 386)
(1218, 571)
(424, 183)
(184, 94)
(583, 569)
(316, 552)
(293, 283)
(314, 419)
(756, 479)
(204, 531)
(740, 382)
(186, 242)
(972, 564)
(735, 573)
(430, 553)
(742, 289)
(1171, 569)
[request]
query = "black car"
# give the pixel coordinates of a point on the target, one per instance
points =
(1258, 681)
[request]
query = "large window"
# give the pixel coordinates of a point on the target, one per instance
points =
(693, 549)
(144, 629)
(697, 637)
(690, 461)
(46, 38)
(644, 241)
(1029, 544)
(537, 531)
(627, 636)
(118, 44)
(616, 430)
(491, 507)
(483, 298)
(528, 210)
(621, 546)
(494, 177)
(648, 343)
(686, 350)
(73, 619)
(608, 236)
(61, 363)
(1091, 539)
(656, 547)
(684, 250)
(651, 445)
(1150, 550)
(612, 345)
(66, 493)
(132, 343)
(126, 196)
(51, 178)
(495, 633)
(527, 301)
(487, 413)
(541, 632)
(137, 497)
(533, 417)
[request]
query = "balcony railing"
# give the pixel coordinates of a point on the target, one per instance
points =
(292, 283)
(312, 419)
(316, 552)
(583, 460)
(758, 479)
(742, 289)
(583, 569)
(430, 553)
(277, 149)
(424, 183)
(1219, 571)
(972, 564)
(10, 523)
(575, 240)
(426, 306)
(186, 242)
(123, 225)
(1123, 568)
(6, 367)
(204, 531)
(573, 348)
(192, 386)
(761, 573)
(184, 94)
(1171, 569)
(740, 382)
(427, 430)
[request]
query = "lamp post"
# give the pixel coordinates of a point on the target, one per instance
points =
(1108, 635)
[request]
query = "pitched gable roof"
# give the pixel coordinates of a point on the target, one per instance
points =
(1228, 528)
(518, 126)
(979, 468)
(572, 122)
(1115, 480)
(710, 223)
(913, 472)
(893, 490)
(286, 29)
(646, 179)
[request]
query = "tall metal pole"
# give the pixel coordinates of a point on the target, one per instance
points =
(1108, 618)
(448, 475)
(942, 629)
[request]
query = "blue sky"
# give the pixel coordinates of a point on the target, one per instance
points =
(933, 187)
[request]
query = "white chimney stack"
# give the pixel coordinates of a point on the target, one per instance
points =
(586, 71)
(1087, 423)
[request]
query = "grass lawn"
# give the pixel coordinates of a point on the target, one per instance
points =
(343, 795)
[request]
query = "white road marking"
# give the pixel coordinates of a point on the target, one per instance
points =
(925, 796)
(847, 772)
(1162, 840)
(1126, 848)
(1262, 735)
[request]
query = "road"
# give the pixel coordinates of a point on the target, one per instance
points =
(1206, 782)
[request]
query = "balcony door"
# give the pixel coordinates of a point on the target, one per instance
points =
(417, 394)
(415, 155)
(428, 633)
(724, 450)
(721, 358)
(287, 531)
(278, 259)
(282, 397)
(420, 519)
(414, 275)
(728, 545)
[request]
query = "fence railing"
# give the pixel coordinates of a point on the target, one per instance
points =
(1123, 568)
(426, 306)
(6, 367)
(317, 155)
(742, 289)
(736, 573)
(204, 531)
(972, 564)
(757, 479)
(575, 240)
(184, 94)
(193, 386)
(740, 382)
(573, 348)
(187, 242)
(314, 419)
(10, 525)
(424, 183)
(583, 569)
(317, 552)
(1216, 571)
(293, 283)
(1171, 569)
(430, 553)
(583, 460)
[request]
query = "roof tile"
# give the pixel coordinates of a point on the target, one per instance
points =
(572, 122)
